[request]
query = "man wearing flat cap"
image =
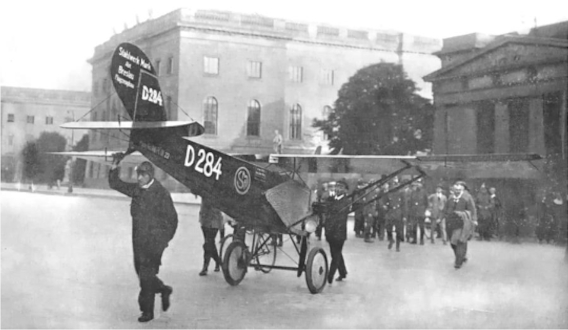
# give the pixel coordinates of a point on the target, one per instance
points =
(154, 223)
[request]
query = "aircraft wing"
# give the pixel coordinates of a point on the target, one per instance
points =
(104, 156)
(441, 166)
(483, 166)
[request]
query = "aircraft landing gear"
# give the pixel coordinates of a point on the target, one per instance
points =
(316, 270)
(235, 262)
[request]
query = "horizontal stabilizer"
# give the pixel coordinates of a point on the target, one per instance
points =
(127, 124)
(104, 156)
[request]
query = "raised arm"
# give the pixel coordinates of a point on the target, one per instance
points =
(115, 182)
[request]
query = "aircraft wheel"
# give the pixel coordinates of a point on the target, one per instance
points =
(224, 244)
(316, 270)
(235, 262)
(267, 254)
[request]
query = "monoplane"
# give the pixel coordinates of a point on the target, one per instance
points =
(264, 198)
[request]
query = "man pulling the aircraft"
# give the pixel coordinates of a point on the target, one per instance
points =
(154, 223)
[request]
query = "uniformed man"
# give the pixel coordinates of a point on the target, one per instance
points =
(381, 208)
(416, 214)
(154, 223)
(336, 230)
(393, 214)
(359, 225)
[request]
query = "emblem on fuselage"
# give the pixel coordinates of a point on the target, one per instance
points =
(242, 180)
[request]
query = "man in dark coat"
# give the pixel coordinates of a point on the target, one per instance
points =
(394, 204)
(461, 219)
(154, 223)
(416, 214)
(336, 230)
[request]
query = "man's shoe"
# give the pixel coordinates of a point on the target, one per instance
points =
(329, 279)
(217, 267)
(340, 278)
(203, 272)
(145, 317)
(368, 240)
(166, 293)
(391, 242)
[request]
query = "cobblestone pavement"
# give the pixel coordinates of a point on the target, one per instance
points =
(67, 263)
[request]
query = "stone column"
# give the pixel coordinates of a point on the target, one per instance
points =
(501, 128)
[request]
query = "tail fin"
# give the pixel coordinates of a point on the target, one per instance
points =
(136, 84)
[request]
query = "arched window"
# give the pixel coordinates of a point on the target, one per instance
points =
(296, 122)
(253, 119)
(210, 107)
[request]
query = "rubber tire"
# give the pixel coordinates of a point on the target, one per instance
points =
(235, 262)
(225, 244)
(314, 279)
(271, 245)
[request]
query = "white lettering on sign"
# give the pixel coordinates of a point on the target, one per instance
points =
(145, 64)
(151, 95)
(126, 54)
(205, 161)
(123, 81)
(125, 73)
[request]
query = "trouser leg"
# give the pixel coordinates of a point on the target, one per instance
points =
(443, 230)
(433, 228)
(209, 247)
(420, 221)
(333, 250)
(341, 266)
(148, 265)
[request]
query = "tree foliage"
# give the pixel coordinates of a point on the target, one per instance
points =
(80, 165)
(378, 112)
(30, 156)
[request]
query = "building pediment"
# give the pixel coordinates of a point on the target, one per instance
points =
(505, 54)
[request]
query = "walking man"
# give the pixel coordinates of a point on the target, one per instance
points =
(418, 206)
(393, 206)
(211, 221)
(336, 230)
(154, 223)
(461, 219)
(436, 204)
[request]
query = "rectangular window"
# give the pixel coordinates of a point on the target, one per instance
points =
(486, 128)
(296, 73)
(10, 140)
(49, 120)
(254, 69)
(30, 119)
(10, 117)
(211, 65)
(157, 67)
(327, 77)
(171, 65)
(518, 125)
(552, 118)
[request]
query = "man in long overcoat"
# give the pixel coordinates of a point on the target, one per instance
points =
(461, 219)
(154, 223)
(336, 230)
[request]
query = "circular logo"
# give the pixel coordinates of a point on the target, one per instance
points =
(242, 180)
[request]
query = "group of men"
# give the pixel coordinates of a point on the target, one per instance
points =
(409, 210)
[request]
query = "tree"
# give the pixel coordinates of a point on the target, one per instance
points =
(378, 112)
(31, 159)
(80, 165)
(52, 167)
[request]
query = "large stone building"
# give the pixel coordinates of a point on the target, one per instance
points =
(27, 112)
(504, 95)
(245, 76)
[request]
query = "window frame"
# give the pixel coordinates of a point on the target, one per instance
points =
(207, 65)
(295, 132)
(254, 69)
(211, 103)
(11, 118)
(296, 74)
(250, 122)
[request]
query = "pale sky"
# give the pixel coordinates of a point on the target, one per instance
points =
(46, 44)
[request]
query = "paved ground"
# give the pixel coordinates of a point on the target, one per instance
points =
(66, 263)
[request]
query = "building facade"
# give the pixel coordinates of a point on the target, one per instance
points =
(506, 95)
(245, 76)
(27, 112)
